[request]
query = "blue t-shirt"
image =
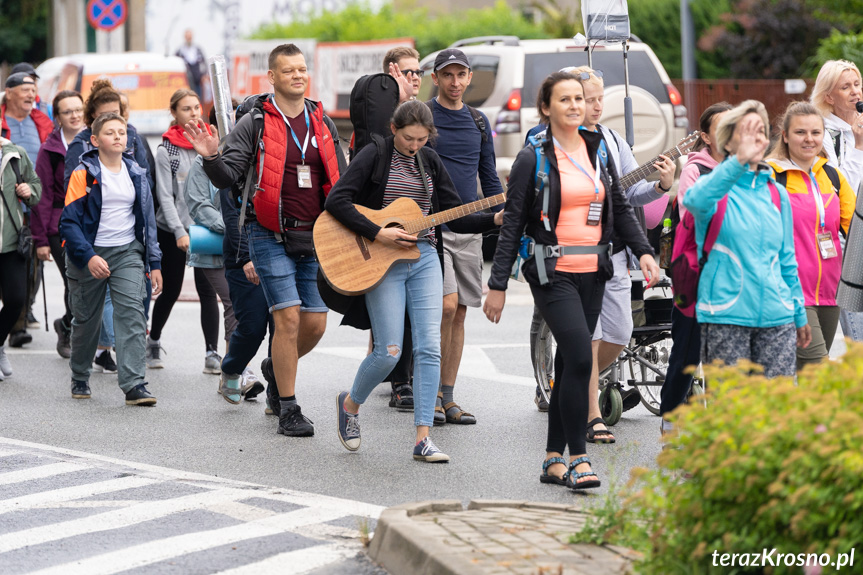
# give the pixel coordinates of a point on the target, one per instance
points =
(26, 135)
(463, 153)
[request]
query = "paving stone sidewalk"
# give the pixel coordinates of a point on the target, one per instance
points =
(490, 538)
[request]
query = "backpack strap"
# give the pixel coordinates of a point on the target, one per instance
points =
(836, 137)
(380, 150)
(833, 174)
(782, 178)
(479, 121)
(713, 227)
(253, 175)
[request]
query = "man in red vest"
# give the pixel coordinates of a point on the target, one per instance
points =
(302, 160)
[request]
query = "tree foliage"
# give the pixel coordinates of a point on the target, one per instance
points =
(358, 22)
(838, 46)
(25, 30)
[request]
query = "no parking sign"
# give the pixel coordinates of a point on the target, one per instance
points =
(106, 14)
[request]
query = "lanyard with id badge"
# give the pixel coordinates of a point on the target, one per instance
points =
(594, 212)
(824, 238)
(304, 172)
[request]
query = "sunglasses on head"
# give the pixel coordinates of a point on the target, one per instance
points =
(582, 75)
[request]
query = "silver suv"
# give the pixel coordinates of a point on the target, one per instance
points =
(507, 73)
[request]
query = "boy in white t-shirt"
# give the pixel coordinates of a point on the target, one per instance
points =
(109, 229)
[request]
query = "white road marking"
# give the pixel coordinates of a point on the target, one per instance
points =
(76, 492)
(296, 562)
(163, 549)
(118, 518)
(40, 472)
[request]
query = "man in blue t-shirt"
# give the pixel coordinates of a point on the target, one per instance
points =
(467, 151)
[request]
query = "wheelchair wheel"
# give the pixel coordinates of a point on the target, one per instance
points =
(651, 382)
(543, 360)
(611, 404)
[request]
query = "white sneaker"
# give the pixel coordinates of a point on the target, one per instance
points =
(5, 366)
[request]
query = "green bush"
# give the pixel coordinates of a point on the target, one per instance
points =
(766, 464)
(358, 22)
(837, 46)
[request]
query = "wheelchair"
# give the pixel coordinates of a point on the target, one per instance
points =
(641, 365)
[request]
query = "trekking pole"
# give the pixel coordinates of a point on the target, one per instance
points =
(44, 299)
(627, 101)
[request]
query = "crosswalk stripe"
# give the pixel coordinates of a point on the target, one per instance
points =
(39, 472)
(296, 562)
(76, 492)
(163, 549)
(118, 518)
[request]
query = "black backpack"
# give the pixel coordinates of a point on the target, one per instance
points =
(374, 98)
(832, 173)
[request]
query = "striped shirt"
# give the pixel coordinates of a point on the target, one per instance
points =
(405, 182)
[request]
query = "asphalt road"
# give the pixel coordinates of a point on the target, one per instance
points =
(192, 429)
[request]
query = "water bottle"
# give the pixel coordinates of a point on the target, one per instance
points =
(666, 244)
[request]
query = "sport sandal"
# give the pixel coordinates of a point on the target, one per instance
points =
(553, 479)
(455, 414)
(572, 481)
(599, 435)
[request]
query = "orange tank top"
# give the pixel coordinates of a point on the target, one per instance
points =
(576, 193)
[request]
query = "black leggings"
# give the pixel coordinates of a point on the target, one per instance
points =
(58, 252)
(173, 272)
(13, 291)
(571, 307)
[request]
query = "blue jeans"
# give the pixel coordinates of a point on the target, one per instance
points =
(288, 281)
(417, 287)
(106, 335)
(250, 310)
(852, 324)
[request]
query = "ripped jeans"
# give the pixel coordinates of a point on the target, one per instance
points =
(417, 287)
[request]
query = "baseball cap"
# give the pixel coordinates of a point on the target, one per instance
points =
(26, 68)
(15, 80)
(450, 56)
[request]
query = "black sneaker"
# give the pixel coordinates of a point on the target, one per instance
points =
(104, 363)
(80, 390)
(539, 400)
(293, 423)
(139, 395)
(402, 397)
(64, 338)
(273, 405)
(19, 338)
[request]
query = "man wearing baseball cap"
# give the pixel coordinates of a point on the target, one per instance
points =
(27, 68)
(26, 126)
(465, 146)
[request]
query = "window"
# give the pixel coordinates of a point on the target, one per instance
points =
(642, 72)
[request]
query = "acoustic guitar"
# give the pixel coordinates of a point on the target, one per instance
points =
(644, 170)
(354, 265)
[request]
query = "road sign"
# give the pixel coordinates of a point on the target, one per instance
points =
(107, 14)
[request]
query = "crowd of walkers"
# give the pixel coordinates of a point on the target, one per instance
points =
(87, 193)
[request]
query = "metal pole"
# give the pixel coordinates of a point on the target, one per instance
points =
(690, 73)
(627, 101)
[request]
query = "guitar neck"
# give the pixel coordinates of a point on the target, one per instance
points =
(438, 218)
(646, 169)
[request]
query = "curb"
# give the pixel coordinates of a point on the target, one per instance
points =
(406, 546)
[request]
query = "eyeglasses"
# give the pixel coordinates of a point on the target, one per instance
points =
(72, 112)
(417, 73)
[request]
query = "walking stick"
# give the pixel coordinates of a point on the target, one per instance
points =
(44, 299)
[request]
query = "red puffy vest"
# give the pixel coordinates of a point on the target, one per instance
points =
(268, 199)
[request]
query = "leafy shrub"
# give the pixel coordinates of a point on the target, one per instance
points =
(766, 464)
(837, 46)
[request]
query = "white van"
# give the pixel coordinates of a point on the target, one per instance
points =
(147, 79)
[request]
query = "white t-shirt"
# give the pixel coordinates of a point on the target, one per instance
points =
(117, 222)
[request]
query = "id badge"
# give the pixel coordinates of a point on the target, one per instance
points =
(594, 214)
(826, 245)
(304, 176)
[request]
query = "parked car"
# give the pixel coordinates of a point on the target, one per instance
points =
(507, 73)
(148, 80)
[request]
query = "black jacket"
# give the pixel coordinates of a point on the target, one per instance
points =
(357, 186)
(522, 215)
